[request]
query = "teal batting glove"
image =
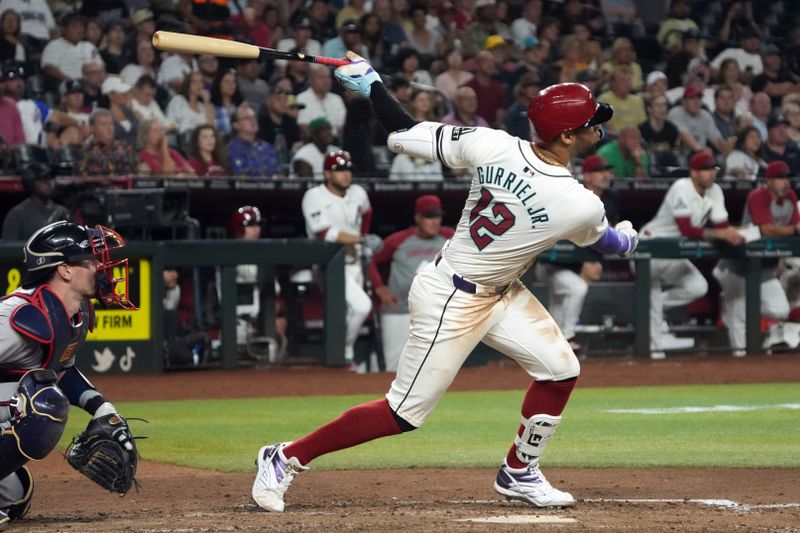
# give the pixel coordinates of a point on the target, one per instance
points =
(358, 75)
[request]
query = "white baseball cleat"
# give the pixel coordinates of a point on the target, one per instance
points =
(530, 485)
(274, 475)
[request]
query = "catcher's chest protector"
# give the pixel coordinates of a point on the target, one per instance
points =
(44, 320)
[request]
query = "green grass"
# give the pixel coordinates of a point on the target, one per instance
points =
(473, 429)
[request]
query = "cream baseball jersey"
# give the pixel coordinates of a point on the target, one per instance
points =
(683, 201)
(324, 210)
(518, 205)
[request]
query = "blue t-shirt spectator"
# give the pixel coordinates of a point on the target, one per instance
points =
(248, 155)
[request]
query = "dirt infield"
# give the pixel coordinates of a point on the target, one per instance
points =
(188, 500)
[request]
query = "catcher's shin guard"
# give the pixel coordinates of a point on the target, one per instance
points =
(16, 492)
(38, 417)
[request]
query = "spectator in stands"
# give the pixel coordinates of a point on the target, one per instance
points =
(672, 28)
(301, 41)
(321, 20)
(744, 162)
(773, 208)
(11, 48)
(144, 24)
(191, 106)
(409, 63)
(623, 57)
(491, 95)
(277, 126)
(791, 110)
(424, 40)
(678, 62)
(309, 159)
(451, 79)
(173, 71)
(724, 113)
(102, 154)
(38, 25)
(126, 125)
(421, 106)
(778, 146)
(298, 73)
(655, 85)
(143, 63)
(747, 55)
(569, 282)
(486, 24)
(628, 107)
(445, 23)
(696, 125)
(730, 75)
(11, 130)
(738, 20)
(517, 122)
(465, 110)
(207, 152)
(248, 155)
(208, 66)
(525, 26)
(571, 61)
(143, 101)
(774, 80)
(661, 135)
(63, 57)
(353, 10)
(372, 36)
(320, 101)
(253, 89)
(112, 48)
(626, 155)
(38, 209)
(225, 96)
(71, 92)
(157, 158)
(392, 269)
(349, 38)
(32, 113)
(760, 111)
(408, 168)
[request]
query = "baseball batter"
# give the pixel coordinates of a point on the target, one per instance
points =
(339, 211)
(42, 326)
(690, 205)
(521, 202)
(773, 208)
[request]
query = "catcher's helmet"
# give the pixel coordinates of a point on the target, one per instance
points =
(66, 242)
(338, 160)
(247, 215)
(565, 107)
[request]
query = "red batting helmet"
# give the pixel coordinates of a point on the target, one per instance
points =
(338, 160)
(242, 217)
(565, 107)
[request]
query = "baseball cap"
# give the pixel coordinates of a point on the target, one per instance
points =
(142, 15)
(778, 169)
(317, 123)
(777, 120)
(770, 49)
(692, 33)
(429, 206)
(595, 162)
(70, 86)
(13, 70)
(351, 26)
(692, 91)
(655, 76)
(114, 84)
(291, 101)
(702, 161)
(302, 23)
(493, 41)
(530, 42)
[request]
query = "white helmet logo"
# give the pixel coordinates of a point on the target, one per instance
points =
(84, 244)
(40, 260)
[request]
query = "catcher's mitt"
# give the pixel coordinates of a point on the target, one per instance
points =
(106, 453)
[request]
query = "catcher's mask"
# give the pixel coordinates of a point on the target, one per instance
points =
(66, 242)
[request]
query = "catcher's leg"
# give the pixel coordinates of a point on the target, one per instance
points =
(38, 414)
(16, 492)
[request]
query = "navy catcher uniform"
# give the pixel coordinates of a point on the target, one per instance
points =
(42, 326)
(522, 200)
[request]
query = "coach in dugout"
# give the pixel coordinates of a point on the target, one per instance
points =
(405, 253)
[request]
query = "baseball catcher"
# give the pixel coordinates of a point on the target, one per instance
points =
(42, 326)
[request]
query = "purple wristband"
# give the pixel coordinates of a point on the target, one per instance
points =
(612, 242)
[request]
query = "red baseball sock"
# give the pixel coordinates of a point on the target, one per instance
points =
(542, 398)
(357, 425)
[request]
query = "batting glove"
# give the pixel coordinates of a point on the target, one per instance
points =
(626, 228)
(358, 75)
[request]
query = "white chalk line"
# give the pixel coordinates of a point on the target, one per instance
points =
(721, 503)
(703, 409)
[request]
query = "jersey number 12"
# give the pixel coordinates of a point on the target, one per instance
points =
(492, 229)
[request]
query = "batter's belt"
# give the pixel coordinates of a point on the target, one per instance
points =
(463, 284)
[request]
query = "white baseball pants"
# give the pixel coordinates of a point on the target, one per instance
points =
(394, 331)
(567, 294)
(447, 323)
(774, 303)
(673, 282)
(359, 306)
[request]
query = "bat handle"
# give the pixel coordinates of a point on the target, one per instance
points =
(332, 61)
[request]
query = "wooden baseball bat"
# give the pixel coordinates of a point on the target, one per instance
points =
(196, 44)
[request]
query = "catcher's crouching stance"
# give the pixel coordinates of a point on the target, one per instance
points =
(42, 326)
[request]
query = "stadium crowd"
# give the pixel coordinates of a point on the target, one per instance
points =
(85, 81)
